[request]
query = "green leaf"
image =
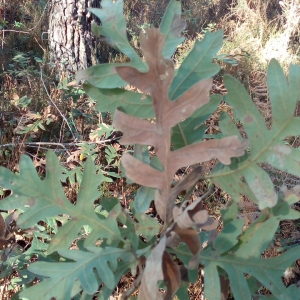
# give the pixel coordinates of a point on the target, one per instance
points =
(41, 199)
(172, 26)
(267, 271)
(182, 293)
(134, 104)
(147, 226)
(110, 154)
(197, 65)
(122, 268)
(238, 254)
(103, 76)
(266, 145)
(113, 28)
(190, 130)
(227, 239)
(143, 198)
(62, 276)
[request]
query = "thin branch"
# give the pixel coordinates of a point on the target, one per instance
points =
(63, 145)
(62, 115)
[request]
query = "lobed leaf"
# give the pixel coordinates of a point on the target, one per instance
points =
(159, 266)
(144, 197)
(62, 276)
(113, 28)
(172, 26)
(238, 258)
(237, 253)
(168, 113)
(134, 104)
(197, 65)
(266, 145)
(40, 199)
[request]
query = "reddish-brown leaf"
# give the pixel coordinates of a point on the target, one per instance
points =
(171, 276)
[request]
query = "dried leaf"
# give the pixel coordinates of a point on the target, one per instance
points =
(171, 276)
(142, 173)
(153, 273)
(168, 113)
(186, 218)
(188, 181)
(222, 149)
(136, 131)
(2, 227)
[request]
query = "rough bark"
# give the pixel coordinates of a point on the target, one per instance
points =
(71, 44)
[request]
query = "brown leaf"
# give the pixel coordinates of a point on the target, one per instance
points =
(160, 205)
(177, 111)
(191, 212)
(222, 149)
(136, 131)
(186, 218)
(153, 273)
(164, 206)
(171, 276)
(168, 113)
(190, 236)
(142, 173)
(185, 184)
(161, 71)
(188, 181)
(2, 227)
(209, 225)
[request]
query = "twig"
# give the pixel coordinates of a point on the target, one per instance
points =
(62, 115)
(63, 145)
(4, 19)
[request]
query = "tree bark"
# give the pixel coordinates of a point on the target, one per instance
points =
(72, 46)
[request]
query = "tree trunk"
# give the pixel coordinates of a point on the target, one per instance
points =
(71, 44)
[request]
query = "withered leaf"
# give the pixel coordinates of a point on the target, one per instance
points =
(191, 215)
(171, 276)
(186, 183)
(2, 227)
(153, 273)
(168, 113)
(136, 131)
(186, 219)
(222, 149)
(142, 173)
(185, 105)
(161, 70)
(159, 266)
